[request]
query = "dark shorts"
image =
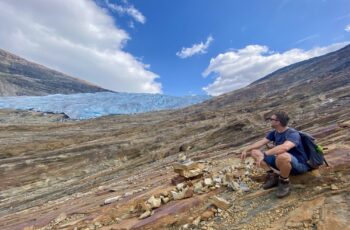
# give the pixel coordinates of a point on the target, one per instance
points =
(297, 167)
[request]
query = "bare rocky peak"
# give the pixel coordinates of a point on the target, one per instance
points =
(309, 77)
(20, 77)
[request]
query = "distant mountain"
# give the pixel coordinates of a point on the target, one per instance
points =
(20, 77)
(91, 105)
(310, 77)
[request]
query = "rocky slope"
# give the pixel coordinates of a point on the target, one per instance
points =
(314, 76)
(20, 77)
(108, 172)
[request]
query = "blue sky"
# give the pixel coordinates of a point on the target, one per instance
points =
(136, 46)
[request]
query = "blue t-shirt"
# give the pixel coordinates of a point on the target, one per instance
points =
(293, 136)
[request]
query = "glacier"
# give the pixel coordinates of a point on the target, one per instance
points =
(92, 105)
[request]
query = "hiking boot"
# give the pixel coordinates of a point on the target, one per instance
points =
(271, 180)
(283, 188)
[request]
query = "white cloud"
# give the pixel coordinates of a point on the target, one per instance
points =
(236, 69)
(75, 37)
(200, 48)
(347, 28)
(129, 10)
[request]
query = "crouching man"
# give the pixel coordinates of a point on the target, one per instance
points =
(288, 157)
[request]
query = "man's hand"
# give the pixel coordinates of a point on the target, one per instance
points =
(256, 145)
(259, 160)
(243, 154)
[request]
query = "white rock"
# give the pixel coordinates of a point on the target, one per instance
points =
(112, 199)
(235, 186)
(182, 157)
(198, 187)
(244, 187)
(180, 186)
(334, 187)
(98, 224)
(218, 180)
(128, 194)
(196, 221)
(178, 195)
(154, 202)
(101, 188)
(208, 182)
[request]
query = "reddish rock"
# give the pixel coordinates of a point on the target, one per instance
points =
(339, 158)
(177, 180)
(208, 214)
(189, 192)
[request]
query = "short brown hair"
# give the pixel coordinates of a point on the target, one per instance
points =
(282, 117)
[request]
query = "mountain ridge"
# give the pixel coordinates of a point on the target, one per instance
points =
(20, 77)
(303, 74)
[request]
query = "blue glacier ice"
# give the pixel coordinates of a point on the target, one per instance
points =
(92, 105)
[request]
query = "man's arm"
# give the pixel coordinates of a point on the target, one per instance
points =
(285, 147)
(256, 145)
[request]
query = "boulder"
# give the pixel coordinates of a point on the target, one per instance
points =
(186, 193)
(190, 173)
(220, 202)
(189, 169)
(154, 202)
(180, 186)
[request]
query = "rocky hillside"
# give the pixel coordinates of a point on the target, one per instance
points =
(123, 172)
(20, 77)
(311, 77)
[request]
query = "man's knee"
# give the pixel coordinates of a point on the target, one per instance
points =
(256, 153)
(283, 158)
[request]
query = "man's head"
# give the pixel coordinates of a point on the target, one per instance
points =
(279, 119)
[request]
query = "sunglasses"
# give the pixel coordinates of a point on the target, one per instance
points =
(271, 119)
